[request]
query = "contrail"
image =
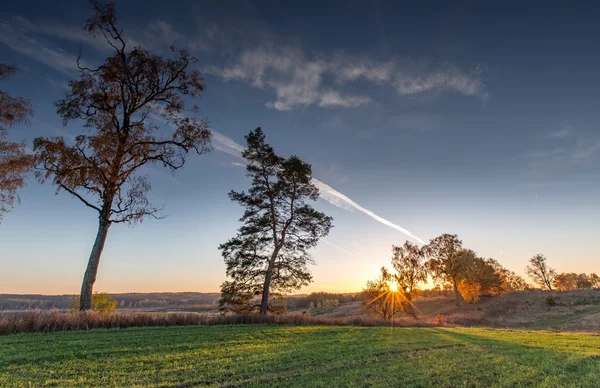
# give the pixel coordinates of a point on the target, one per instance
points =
(326, 192)
(338, 247)
(338, 199)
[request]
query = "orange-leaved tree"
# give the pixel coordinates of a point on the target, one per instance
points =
(115, 102)
(447, 261)
(14, 161)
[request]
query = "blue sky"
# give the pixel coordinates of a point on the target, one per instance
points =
(475, 120)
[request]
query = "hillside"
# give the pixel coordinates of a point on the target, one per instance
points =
(574, 310)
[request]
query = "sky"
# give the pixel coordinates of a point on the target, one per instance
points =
(478, 120)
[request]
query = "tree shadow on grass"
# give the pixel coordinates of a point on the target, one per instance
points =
(545, 362)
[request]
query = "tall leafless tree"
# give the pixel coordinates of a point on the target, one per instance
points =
(115, 102)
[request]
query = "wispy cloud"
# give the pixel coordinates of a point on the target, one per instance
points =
(70, 33)
(297, 79)
(561, 133)
(31, 39)
(584, 151)
(326, 192)
(20, 39)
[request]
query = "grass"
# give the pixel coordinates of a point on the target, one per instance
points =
(304, 356)
(561, 321)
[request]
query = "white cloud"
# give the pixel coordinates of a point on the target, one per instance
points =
(333, 98)
(298, 81)
(372, 71)
(447, 78)
(295, 80)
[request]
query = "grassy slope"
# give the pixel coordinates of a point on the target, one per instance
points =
(300, 356)
(515, 310)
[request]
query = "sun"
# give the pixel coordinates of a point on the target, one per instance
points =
(393, 286)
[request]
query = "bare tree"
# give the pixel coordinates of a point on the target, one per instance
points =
(115, 102)
(539, 271)
(14, 162)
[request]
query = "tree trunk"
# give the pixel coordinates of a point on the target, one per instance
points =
(89, 278)
(456, 294)
(264, 303)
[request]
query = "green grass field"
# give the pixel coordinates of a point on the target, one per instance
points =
(304, 356)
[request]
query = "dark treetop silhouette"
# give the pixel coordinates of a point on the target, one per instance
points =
(114, 102)
(270, 249)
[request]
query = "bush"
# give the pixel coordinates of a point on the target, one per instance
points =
(101, 302)
(550, 301)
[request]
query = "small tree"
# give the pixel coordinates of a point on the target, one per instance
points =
(447, 261)
(14, 162)
(594, 280)
(381, 299)
(269, 256)
(565, 281)
(114, 102)
(409, 262)
(101, 302)
(481, 277)
(516, 282)
(583, 282)
(539, 271)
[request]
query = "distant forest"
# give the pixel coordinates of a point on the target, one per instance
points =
(181, 301)
(152, 301)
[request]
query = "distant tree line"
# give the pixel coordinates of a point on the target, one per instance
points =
(175, 301)
(548, 279)
(321, 299)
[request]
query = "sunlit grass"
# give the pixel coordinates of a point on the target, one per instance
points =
(322, 356)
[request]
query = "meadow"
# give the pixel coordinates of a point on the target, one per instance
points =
(286, 355)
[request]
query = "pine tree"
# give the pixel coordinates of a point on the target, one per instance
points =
(269, 256)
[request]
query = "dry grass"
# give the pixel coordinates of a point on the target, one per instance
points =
(38, 321)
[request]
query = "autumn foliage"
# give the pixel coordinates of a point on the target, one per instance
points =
(14, 162)
(132, 108)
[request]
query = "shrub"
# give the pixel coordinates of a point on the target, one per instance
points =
(101, 302)
(550, 301)
(439, 320)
